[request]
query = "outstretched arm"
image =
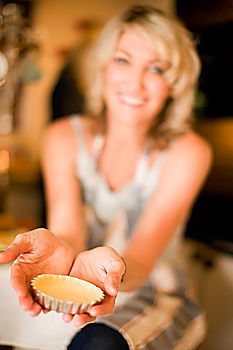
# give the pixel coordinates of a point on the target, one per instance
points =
(181, 179)
(65, 210)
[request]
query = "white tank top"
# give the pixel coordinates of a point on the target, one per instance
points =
(107, 203)
(112, 215)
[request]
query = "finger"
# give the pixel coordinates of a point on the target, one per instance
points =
(35, 309)
(20, 245)
(30, 306)
(115, 271)
(19, 282)
(46, 311)
(67, 317)
(105, 308)
(81, 319)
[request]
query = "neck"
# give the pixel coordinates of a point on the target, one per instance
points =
(126, 135)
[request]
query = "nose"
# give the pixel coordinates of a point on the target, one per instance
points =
(136, 79)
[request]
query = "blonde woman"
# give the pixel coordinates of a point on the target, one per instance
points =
(125, 175)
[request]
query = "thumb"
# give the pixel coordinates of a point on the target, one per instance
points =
(115, 271)
(20, 245)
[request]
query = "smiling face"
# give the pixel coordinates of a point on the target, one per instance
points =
(135, 90)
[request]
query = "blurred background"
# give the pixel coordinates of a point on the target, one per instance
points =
(41, 48)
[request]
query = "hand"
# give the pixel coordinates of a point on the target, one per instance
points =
(105, 268)
(35, 252)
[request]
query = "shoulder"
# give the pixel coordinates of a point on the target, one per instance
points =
(62, 132)
(58, 129)
(189, 155)
(191, 145)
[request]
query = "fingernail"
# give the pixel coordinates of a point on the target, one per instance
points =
(78, 324)
(32, 313)
(66, 318)
(113, 289)
(92, 313)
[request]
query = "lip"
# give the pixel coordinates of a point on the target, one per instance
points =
(132, 100)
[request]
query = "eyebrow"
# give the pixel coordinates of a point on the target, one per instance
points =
(122, 51)
(154, 60)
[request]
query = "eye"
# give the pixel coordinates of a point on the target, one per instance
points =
(121, 60)
(155, 69)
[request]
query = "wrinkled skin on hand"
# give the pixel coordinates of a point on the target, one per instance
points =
(33, 253)
(39, 251)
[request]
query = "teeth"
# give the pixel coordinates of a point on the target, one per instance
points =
(132, 100)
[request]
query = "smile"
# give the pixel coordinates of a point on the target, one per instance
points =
(134, 101)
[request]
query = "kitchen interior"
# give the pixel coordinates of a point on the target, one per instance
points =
(37, 90)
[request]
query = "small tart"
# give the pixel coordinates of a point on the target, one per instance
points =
(65, 293)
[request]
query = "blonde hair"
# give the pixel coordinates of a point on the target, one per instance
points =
(174, 44)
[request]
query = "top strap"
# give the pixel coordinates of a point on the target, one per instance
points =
(75, 122)
(97, 143)
(97, 147)
(143, 165)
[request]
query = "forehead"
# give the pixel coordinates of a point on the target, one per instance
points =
(136, 42)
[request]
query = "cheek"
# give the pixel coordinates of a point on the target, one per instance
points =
(112, 76)
(160, 89)
(110, 82)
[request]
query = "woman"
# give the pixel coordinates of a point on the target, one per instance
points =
(126, 176)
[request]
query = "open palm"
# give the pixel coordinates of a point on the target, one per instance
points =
(103, 267)
(35, 252)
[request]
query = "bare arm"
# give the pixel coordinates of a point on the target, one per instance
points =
(65, 211)
(184, 173)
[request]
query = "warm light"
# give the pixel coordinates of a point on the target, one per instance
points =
(4, 161)
(5, 124)
(3, 68)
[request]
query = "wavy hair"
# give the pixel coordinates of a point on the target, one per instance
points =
(173, 43)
